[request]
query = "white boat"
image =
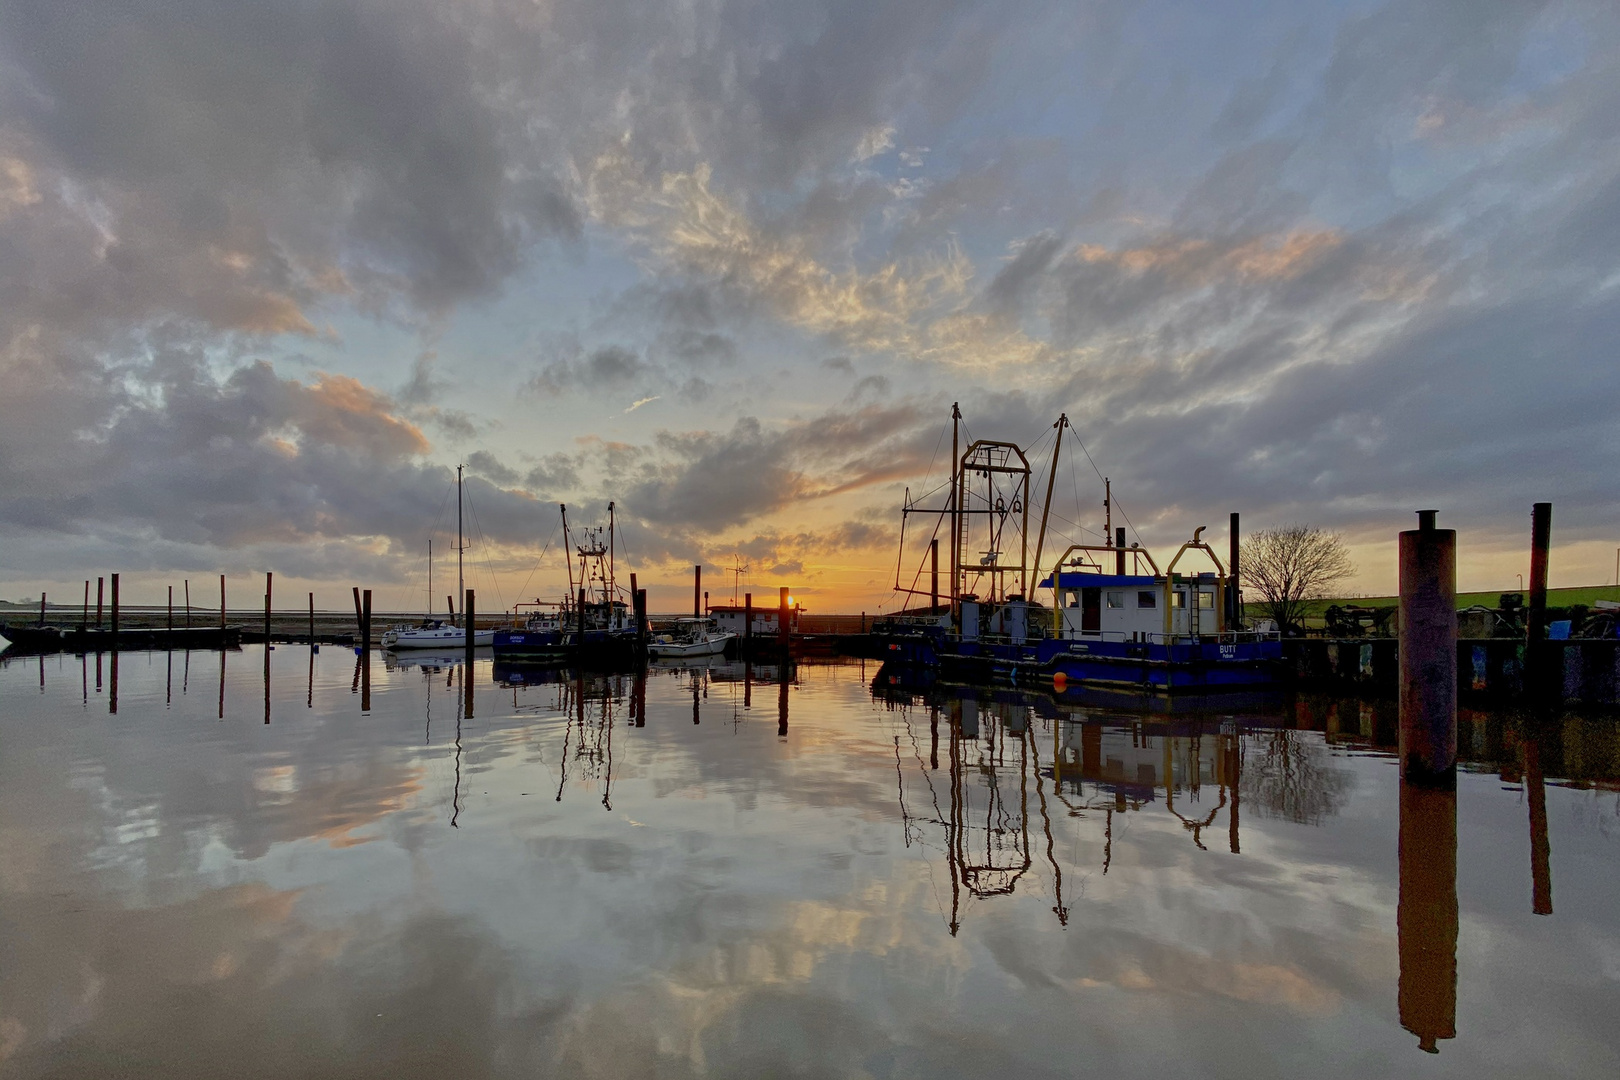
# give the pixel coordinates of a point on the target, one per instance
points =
(691, 637)
(434, 634)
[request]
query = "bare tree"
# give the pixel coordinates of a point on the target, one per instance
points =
(1291, 564)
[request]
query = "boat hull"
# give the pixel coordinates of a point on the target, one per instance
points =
(600, 647)
(1190, 666)
(446, 638)
(675, 650)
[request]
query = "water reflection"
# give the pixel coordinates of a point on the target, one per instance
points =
(576, 878)
(1426, 918)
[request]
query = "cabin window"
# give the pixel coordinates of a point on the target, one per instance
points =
(1206, 600)
(1178, 599)
(1116, 599)
(1147, 599)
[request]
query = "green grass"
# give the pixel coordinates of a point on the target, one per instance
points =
(1556, 598)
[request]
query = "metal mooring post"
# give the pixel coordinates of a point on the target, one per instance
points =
(1428, 653)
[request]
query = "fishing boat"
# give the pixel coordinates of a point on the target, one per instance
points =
(1114, 619)
(433, 633)
(592, 624)
(691, 638)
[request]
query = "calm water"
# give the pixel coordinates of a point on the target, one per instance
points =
(692, 875)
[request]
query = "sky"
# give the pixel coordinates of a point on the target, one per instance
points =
(268, 273)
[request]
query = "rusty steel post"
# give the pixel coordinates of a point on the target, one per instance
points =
(1428, 652)
(1537, 668)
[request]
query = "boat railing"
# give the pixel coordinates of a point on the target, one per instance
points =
(1230, 637)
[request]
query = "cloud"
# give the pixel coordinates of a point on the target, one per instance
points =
(610, 367)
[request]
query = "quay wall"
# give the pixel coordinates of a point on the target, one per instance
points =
(1587, 671)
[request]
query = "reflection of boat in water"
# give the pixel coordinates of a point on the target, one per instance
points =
(691, 637)
(1000, 800)
(426, 661)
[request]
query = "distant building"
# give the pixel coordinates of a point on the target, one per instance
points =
(732, 617)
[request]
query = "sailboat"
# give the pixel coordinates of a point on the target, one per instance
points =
(433, 633)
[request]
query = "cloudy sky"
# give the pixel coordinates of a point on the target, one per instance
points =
(269, 272)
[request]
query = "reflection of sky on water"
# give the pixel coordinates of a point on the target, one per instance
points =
(181, 895)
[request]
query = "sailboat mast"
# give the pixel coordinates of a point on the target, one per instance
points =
(429, 616)
(461, 581)
(612, 583)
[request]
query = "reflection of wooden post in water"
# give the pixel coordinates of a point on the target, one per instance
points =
(84, 677)
(933, 738)
(638, 693)
(782, 699)
(267, 680)
(112, 691)
(309, 694)
(1234, 777)
(1426, 917)
(168, 678)
(694, 698)
(470, 608)
(748, 681)
(1428, 653)
(222, 680)
(1540, 849)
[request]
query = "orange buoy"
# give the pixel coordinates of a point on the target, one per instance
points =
(1060, 682)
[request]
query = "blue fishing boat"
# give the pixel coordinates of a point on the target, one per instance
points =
(1113, 619)
(592, 624)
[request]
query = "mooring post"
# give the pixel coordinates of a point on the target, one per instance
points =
(697, 590)
(222, 610)
(84, 619)
(312, 621)
(42, 608)
(171, 607)
(748, 622)
(782, 620)
(1234, 604)
(365, 629)
(933, 577)
(115, 610)
(100, 588)
(188, 603)
(359, 616)
(641, 623)
(470, 607)
(450, 606)
(268, 581)
(1537, 654)
(1428, 653)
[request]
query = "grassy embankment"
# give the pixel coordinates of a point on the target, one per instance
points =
(1556, 598)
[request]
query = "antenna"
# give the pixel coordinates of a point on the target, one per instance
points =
(737, 570)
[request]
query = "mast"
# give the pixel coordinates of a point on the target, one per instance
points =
(461, 581)
(1040, 542)
(612, 584)
(429, 616)
(956, 500)
(568, 549)
(1108, 511)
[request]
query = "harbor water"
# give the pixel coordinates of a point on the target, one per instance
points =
(255, 864)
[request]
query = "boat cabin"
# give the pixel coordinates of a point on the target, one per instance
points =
(1131, 607)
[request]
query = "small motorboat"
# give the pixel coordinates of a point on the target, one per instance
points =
(691, 637)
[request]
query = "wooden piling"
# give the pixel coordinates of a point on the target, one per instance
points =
(188, 603)
(365, 629)
(42, 609)
(222, 605)
(311, 620)
(100, 585)
(1428, 653)
(359, 616)
(748, 620)
(269, 581)
(782, 620)
(1538, 670)
(933, 575)
(115, 610)
(697, 590)
(470, 607)
(1234, 600)
(450, 606)
(171, 607)
(84, 619)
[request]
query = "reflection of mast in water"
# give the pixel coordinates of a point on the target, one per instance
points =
(592, 741)
(455, 793)
(1426, 915)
